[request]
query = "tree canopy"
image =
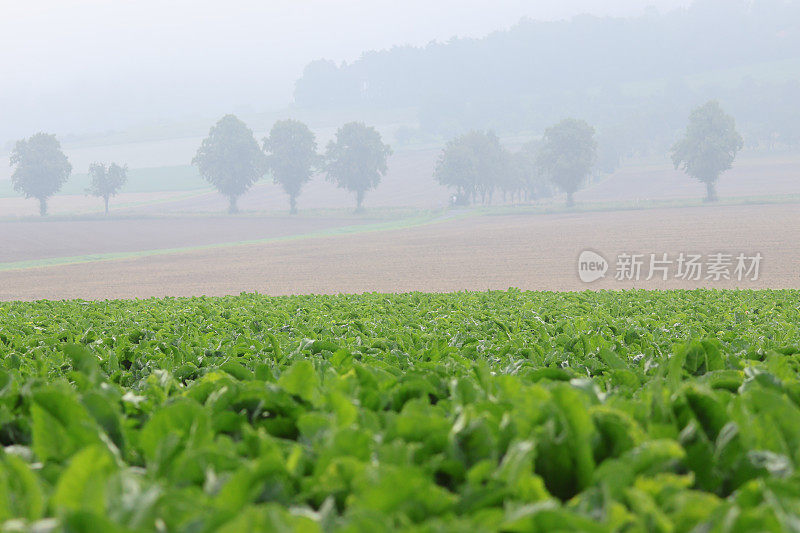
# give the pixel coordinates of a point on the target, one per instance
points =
(106, 181)
(567, 154)
(41, 168)
(357, 159)
(230, 159)
(291, 157)
(525, 178)
(709, 146)
(474, 164)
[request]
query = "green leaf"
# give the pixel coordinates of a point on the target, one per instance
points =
(83, 360)
(61, 425)
(301, 380)
(271, 518)
(611, 359)
(581, 431)
(82, 485)
(182, 424)
(21, 493)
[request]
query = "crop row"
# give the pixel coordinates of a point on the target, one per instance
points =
(512, 411)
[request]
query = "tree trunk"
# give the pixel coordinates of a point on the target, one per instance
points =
(293, 205)
(359, 201)
(711, 191)
(570, 200)
(232, 207)
(106, 201)
(43, 206)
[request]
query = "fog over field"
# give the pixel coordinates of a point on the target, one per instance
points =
(169, 127)
(89, 66)
(440, 265)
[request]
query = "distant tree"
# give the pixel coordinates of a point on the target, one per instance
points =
(357, 159)
(456, 168)
(513, 182)
(291, 157)
(567, 155)
(41, 168)
(709, 146)
(474, 164)
(230, 159)
(106, 181)
(322, 84)
(525, 174)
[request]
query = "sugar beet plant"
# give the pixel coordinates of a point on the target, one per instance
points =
(509, 411)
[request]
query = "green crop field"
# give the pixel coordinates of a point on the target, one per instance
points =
(509, 411)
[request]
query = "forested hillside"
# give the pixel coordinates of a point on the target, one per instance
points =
(635, 78)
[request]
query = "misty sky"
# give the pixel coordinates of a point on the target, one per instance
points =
(94, 65)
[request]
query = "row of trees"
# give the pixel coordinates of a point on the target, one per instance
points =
(475, 165)
(42, 168)
(231, 159)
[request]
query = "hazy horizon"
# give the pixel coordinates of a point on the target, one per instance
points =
(96, 65)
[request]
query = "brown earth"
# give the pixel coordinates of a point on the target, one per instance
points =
(536, 252)
(30, 239)
(751, 175)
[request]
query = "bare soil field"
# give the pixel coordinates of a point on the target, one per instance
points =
(31, 239)
(537, 252)
(751, 175)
